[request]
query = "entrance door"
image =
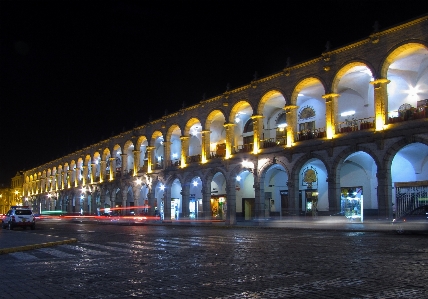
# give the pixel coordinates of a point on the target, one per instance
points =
(248, 208)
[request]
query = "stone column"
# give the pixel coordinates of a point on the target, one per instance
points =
(103, 166)
(150, 158)
(52, 183)
(293, 197)
(331, 113)
(124, 199)
(112, 168)
(94, 205)
(185, 198)
(167, 153)
(291, 117)
(65, 179)
(229, 139)
(58, 182)
(334, 191)
(259, 200)
(38, 187)
(151, 200)
(93, 172)
(136, 161)
(113, 197)
(70, 202)
(184, 150)
(380, 102)
(231, 201)
(205, 146)
(136, 190)
(206, 201)
(85, 203)
(124, 164)
(85, 175)
(102, 199)
(77, 206)
(76, 177)
(167, 204)
(384, 193)
(257, 129)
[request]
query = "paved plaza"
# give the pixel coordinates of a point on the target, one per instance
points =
(172, 261)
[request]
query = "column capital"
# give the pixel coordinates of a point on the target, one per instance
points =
(329, 96)
(184, 137)
(289, 108)
(256, 116)
(229, 125)
(379, 81)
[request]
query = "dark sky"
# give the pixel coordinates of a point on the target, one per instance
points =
(73, 72)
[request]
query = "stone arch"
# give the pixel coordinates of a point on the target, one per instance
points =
(155, 135)
(307, 82)
(211, 117)
(266, 166)
(238, 106)
(294, 174)
(402, 49)
(189, 124)
(171, 129)
(397, 146)
(127, 145)
(106, 154)
(335, 166)
(140, 141)
(268, 95)
(116, 148)
(348, 66)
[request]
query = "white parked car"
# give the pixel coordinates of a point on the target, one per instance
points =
(19, 216)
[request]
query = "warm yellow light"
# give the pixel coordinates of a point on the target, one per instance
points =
(379, 122)
(329, 131)
(289, 141)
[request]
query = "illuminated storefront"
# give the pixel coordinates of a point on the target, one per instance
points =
(351, 202)
(218, 207)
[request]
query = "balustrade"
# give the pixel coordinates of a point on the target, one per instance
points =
(193, 159)
(311, 134)
(356, 125)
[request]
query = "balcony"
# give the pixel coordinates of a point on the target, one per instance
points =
(272, 142)
(311, 134)
(409, 113)
(193, 159)
(356, 125)
(243, 148)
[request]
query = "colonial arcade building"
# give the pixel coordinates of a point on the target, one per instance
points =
(344, 134)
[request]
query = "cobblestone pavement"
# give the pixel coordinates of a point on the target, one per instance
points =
(109, 261)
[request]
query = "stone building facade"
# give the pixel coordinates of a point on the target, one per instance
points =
(343, 134)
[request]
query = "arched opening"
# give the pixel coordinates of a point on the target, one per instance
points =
(313, 188)
(409, 173)
(358, 187)
(276, 192)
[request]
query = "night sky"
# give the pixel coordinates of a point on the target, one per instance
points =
(73, 73)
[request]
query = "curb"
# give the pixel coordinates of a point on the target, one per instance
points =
(36, 246)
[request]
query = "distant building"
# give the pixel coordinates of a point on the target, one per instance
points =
(344, 134)
(12, 196)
